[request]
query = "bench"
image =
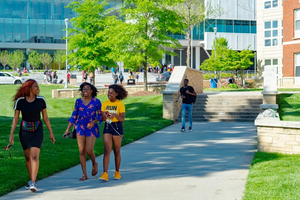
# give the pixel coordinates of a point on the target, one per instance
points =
(131, 82)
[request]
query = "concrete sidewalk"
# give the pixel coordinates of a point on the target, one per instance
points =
(210, 163)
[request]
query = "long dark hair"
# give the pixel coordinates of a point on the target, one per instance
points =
(95, 91)
(122, 93)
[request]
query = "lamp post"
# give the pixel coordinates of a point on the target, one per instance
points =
(67, 23)
(215, 31)
(192, 46)
(180, 56)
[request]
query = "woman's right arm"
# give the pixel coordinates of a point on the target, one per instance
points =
(13, 126)
(74, 116)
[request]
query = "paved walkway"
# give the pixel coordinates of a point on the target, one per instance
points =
(210, 163)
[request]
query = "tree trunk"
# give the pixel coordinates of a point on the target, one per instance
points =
(188, 55)
(145, 75)
(93, 79)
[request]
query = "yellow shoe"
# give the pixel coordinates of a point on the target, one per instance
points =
(103, 177)
(117, 175)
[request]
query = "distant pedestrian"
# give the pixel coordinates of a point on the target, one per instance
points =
(116, 78)
(91, 76)
(121, 77)
(68, 76)
(137, 77)
(31, 105)
(113, 113)
(85, 75)
(45, 76)
(50, 75)
(188, 95)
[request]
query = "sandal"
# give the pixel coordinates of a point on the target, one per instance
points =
(83, 178)
(95, 169)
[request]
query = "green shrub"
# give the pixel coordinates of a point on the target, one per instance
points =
(233, 86)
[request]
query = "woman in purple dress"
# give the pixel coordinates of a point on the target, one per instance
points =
(85, 116)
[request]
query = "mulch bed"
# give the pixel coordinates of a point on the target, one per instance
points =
(144, 93)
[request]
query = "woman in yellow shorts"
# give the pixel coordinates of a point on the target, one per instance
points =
(113, 113)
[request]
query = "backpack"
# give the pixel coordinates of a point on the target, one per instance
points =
(194, 98)
(121, 77)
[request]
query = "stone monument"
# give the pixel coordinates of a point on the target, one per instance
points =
(171, 108)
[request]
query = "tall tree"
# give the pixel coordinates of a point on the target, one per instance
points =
(87, 42)
(142, 36)
(46, 59)
(59, 57)
(217, 61)
(4, 59)
(34, 59)
(192, 13)
(15, 59)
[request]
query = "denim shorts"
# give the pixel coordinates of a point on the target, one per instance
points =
(114, 128)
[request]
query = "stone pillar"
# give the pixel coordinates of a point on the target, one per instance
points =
(270, 85)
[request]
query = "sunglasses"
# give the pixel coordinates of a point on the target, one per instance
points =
(8, 148)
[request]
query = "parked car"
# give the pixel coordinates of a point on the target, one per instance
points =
(163, 77)
(8, 78)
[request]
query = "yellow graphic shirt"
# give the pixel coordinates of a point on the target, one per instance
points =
(116, 107)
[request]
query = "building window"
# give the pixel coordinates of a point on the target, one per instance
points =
(271, 33)
(297, 23)
(271, 4)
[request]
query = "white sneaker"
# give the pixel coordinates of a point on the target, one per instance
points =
(33, 187)
(27, 187)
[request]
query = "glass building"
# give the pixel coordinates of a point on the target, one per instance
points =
(39, 25)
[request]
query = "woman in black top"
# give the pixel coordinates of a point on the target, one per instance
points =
(31, 135)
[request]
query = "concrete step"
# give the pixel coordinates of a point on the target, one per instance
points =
(226, 109)
(222, 113)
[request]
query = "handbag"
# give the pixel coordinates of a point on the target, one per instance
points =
(72, 134)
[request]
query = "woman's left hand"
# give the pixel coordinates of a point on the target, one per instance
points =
(90, 125)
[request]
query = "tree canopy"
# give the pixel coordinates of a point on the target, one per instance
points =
(192, 13)
(59, 57)
(34, 59)
(141, 36)
(87, 41)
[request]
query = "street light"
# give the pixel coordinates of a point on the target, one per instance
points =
(180, 56)
(67, 23)
(215, 31)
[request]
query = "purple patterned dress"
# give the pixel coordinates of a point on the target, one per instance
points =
(84, 114)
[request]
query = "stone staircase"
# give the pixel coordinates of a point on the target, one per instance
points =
(226, 107)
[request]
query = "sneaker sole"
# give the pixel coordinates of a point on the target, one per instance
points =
(33, 189)
(117, 178)
(101, 179)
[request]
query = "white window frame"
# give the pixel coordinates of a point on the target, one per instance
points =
(272, 3)
(272, 38)
(297, 19)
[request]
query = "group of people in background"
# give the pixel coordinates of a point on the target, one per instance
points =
(50, 76)
(87, 115)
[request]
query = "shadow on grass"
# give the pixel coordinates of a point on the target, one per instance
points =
(167, 154)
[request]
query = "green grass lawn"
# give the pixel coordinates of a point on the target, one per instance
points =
(273, 176)
(289, 107)
(143, 117)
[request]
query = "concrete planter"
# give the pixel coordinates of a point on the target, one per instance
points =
(275, 136)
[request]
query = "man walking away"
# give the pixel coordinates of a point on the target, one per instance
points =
(188, 98)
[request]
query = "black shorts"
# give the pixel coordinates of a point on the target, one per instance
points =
(31, 139)
(114, 128)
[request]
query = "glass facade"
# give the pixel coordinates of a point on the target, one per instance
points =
(36, 21)
(224, 26)
(33, 21)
